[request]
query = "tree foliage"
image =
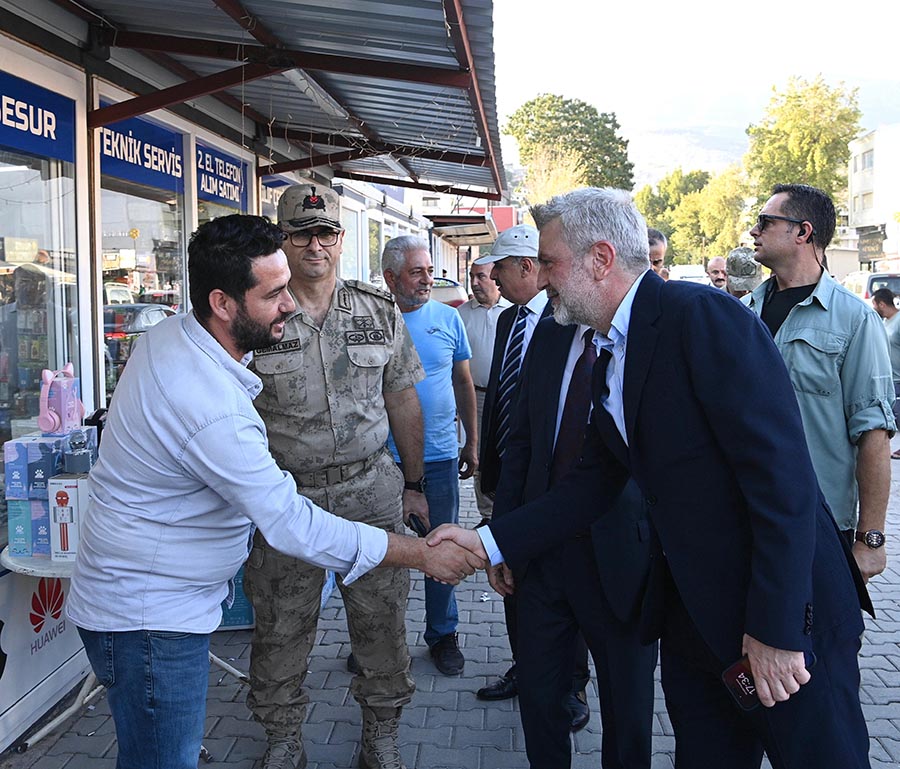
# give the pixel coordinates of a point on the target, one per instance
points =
(551, 122)
(658, 205)
(710, 221)
(803, 137)
(551, 171)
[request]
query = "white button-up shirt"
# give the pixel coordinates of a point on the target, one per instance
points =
(184, 468)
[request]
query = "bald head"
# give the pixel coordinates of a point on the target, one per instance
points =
(716, 271)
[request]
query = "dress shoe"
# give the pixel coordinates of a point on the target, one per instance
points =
(576, 704)
(504, 688)
(353, 665)
(447, 657)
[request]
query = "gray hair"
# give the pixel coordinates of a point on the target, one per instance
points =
(593, 213)
(395, 250)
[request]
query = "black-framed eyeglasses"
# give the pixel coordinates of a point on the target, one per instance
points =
(656, 262)
(762, 221)
(303, 238)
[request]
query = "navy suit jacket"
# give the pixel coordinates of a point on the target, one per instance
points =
(489, 458)
(621, 538)
(716, 445)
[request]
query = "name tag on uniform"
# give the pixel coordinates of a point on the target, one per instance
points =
(288, 345)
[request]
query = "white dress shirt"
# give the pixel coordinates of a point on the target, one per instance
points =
(617, 341)
(481, 328)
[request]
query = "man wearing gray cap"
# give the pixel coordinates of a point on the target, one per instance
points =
(344, 372)
(743, 273)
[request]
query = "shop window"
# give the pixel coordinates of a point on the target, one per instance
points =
(142, 224)
(38, 290)
(349, 269)
(375, 246)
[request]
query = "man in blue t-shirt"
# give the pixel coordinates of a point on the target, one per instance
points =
(440, 339)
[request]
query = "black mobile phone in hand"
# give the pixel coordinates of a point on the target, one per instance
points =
(415, 523)
(738, 679)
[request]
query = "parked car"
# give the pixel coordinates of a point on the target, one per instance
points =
(864, 284)
(167, 298)
(122, 325)
(449, 292)
(117, 293)
(692, 272)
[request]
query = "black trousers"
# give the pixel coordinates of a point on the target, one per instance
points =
(581, 674)
(821, 726)
(559, 595)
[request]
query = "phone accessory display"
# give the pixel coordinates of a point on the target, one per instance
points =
(61, 409)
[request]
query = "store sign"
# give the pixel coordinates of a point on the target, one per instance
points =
(35, 120)
(35, 642)
(140, 151)
(221, 178)
(871, 246)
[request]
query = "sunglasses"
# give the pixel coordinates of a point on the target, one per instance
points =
(763, 220)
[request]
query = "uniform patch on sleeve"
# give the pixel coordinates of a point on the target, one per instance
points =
(288, 345)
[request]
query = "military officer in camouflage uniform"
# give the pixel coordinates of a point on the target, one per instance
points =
(343, 373)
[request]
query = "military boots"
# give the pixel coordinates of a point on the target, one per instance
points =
(379, 739)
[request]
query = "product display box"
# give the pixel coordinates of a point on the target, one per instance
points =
(29, 463)
(32, 460)
(68, 500)
(29, 528)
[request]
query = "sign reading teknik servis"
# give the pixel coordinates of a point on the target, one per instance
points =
(221, 178)
(139, 151)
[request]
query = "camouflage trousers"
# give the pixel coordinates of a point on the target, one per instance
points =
(286, 592)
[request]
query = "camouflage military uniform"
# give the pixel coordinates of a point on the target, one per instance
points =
(327, 425)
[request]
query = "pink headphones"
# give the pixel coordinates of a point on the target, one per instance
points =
(49, 421)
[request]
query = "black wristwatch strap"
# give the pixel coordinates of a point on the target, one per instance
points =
(418, 485)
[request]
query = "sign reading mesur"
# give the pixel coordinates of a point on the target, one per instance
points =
(35, 120)
(221, 178)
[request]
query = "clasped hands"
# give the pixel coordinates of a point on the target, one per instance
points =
(461, 549)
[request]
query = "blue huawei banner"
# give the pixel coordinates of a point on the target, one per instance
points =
(139, 151)
(35, 120)
(221, 178)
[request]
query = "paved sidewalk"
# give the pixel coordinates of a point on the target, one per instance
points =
(446, 727)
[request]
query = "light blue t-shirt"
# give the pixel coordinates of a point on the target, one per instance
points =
(440, 338)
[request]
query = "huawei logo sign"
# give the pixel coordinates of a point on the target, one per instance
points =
(46, 603)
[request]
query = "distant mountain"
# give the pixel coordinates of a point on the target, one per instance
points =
(706, 148)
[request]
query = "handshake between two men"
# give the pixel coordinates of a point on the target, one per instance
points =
(455, 553)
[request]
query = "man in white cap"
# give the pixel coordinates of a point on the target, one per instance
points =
(515, 270)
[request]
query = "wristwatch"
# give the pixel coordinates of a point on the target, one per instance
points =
(419, 486)
(873, 538)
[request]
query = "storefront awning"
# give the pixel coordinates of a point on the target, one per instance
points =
(386, 92)
(464, 229)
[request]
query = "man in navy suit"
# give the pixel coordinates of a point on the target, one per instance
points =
(589, 588)
(748, 558)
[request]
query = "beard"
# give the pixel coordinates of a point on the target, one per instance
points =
(249, 334)
(575, 301)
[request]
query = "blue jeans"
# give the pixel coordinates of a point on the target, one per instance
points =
(156, 683)
(442, 493)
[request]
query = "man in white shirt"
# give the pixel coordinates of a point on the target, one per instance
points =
(184, 468)
(479, 316)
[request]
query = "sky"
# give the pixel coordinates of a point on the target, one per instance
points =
(686, 78)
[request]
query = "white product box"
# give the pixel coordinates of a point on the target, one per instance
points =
(68, 494)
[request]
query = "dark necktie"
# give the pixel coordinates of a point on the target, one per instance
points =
(509, 376)
(574, 420)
